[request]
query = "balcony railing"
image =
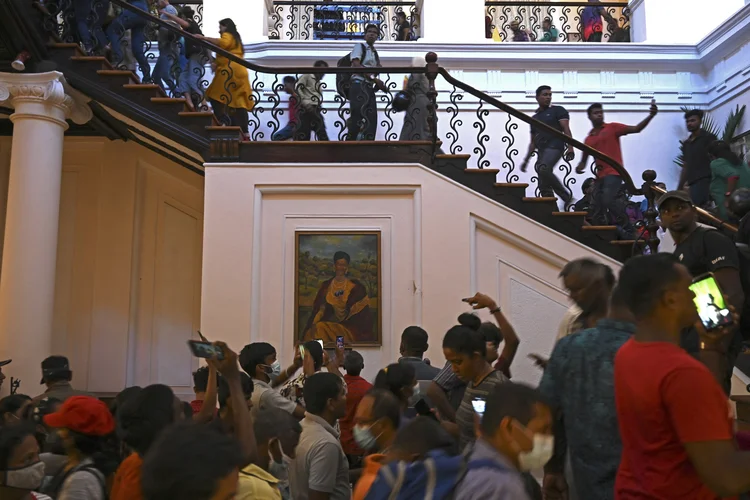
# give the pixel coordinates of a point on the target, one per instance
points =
(319, 20)
(557, 21)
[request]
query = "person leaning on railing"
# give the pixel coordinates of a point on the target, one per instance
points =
(230, 94)
(196, 56)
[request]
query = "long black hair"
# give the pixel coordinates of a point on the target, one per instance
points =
(232, 30)
(143, 417)
(395, 378)
(720, 149)
(102, 450)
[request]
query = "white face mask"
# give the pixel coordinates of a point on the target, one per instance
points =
(275, 369)
(25, 478)
(364, 438)
(541, 452)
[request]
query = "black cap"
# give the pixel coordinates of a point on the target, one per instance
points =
(6, 362)
(54, 365)
(673, 195)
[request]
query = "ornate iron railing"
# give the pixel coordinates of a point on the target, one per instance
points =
(342, 20)
(466, 119)
(557, 21)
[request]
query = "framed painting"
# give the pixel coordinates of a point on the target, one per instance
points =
(337, 287)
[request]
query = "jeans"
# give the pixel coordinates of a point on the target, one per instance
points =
(137, 25)
(190, 78)
(549, 184)
(363, 123)
(89, 19)
(312, 121)
(609, 205)
(168, 56)
(286, 132)
(699, 192)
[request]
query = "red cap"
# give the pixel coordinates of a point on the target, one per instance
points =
(83, 414)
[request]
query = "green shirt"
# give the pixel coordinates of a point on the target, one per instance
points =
(550, 36)
(721, 171)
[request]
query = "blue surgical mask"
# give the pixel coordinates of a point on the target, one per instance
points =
(274, 370)
(364, 438)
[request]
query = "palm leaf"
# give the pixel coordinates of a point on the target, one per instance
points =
(733, 122)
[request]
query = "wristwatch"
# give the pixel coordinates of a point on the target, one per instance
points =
(495, 310)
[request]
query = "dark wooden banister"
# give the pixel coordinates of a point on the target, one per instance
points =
(704, 214)
(627, 180)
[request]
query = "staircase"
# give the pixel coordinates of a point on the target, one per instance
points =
(194, 137)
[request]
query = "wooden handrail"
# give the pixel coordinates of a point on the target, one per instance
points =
(627, 180)
(704, 214)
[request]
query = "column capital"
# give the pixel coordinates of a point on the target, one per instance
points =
(45, 90)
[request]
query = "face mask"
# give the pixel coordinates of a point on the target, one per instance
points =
(25, 478)
(364, 438)
(274, 370)
(539, 455)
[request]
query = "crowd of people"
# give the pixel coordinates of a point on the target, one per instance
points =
(632, 403)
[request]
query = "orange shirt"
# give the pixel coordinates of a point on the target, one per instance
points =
(127, 483)
(369, 473)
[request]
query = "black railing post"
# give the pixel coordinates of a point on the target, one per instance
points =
(649, 217)
(432, 73)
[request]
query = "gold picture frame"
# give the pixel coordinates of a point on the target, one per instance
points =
(338, 287)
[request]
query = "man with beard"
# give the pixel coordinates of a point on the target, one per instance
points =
(704, 250)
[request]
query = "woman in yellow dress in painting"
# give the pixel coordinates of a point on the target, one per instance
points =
(341, 308)
(230, 94)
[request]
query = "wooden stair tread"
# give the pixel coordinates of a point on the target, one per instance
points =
(628, 242)
(511, 184)
(195, 113)
(482, 170)
(145, 86)
(598, 228)
(168, 100)
(452, 156)
(118, 72)
(570, 214)
(538, 199)
(220, 127)
(100, 59)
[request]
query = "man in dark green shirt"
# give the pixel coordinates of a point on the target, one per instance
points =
(579, 382)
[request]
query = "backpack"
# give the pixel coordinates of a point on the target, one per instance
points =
(53, 487)
(437, 476)
(343, 80)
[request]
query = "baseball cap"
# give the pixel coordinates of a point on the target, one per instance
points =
(6, 362)
(54, 365)
(84, 415)
(673, 195)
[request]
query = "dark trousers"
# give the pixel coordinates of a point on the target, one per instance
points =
(363, 122)
(608, 204)
(312, 121)
(237, 117)
(549, 184)
(699, 192)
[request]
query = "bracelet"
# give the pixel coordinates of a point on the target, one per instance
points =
(495, 310)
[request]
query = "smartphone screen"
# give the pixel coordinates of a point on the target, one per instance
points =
(320, 341)
(302, 351)
(478, 405)
(340, 341)
(205, 349)
(709, 301)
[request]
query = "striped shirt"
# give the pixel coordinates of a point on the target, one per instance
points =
(465, 413)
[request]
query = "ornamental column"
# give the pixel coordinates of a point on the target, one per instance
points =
(27, 280)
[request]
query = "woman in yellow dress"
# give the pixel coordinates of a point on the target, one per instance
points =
(230, 94)
(341, 308)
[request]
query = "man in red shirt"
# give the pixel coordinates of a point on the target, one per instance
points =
(607, 204)
(356, 388)
(674, 419)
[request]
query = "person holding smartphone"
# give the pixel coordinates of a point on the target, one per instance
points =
(674, 419)
(703, 250)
